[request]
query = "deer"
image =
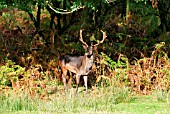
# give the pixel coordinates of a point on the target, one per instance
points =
(79, 65)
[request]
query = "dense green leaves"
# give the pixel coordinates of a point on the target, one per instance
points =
(9, 71)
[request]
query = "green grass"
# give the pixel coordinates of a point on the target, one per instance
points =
(100, 100)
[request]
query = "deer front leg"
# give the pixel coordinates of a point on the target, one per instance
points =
(64, 79)
(77, 82)
(85, 82)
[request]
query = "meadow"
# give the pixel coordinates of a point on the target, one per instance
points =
(99, 100)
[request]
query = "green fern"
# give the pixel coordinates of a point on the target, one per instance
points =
(121, 63)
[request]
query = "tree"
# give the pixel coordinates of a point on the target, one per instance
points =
(29, 6)
(164, 14)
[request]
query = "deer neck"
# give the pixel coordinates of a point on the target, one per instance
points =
(89, 61)
(89, 56)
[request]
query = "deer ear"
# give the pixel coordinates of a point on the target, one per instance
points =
(85, 47)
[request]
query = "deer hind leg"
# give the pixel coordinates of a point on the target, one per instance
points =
(77, 82)
(64, 74)
(85, 82)
(70, 80)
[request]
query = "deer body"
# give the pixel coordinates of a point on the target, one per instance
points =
(80, 65)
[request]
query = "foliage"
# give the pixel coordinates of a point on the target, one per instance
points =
(10, 71)
(151, 73)
(149, 17)
(146, 73)
(121, 63)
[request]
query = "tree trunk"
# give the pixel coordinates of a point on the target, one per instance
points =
(164, 12)
(38, 16)
(64, 16)
(127, 10)
(36, 20)
(52, 15)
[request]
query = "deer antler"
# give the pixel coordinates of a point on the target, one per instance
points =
(81, 38)
(104, 37)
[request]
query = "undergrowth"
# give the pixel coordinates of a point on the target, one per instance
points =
(142, 75)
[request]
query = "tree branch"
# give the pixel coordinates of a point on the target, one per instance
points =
(62, 11)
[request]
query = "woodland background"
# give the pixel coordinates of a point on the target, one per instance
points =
(34, 33)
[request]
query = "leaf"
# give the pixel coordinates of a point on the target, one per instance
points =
(11, 73)
(104, 77)
(98, 79)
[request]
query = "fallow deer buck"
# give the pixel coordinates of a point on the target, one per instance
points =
(80, 65)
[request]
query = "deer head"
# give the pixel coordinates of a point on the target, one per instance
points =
(89, 49)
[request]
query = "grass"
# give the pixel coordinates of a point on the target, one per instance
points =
(100, 100)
